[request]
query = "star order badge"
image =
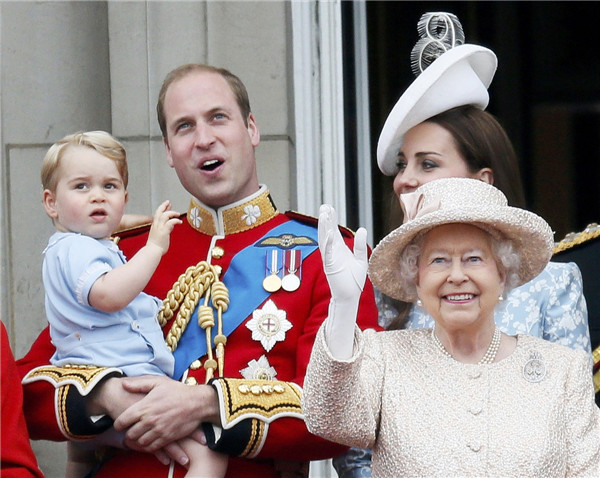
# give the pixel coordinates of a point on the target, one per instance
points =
(259, 369)
(269, 325)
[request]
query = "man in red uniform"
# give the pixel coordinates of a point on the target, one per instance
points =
(240, 278)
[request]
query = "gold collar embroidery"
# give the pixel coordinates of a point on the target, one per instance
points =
(237, 217)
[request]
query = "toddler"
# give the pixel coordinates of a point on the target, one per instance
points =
(94, 302)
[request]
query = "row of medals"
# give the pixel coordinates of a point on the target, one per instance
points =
(290, 281)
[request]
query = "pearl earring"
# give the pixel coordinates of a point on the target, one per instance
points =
(419, 303)
(500, 298)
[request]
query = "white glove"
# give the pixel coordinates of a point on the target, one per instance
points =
(346, 274)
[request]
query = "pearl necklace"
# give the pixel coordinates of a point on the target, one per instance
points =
(489, 355)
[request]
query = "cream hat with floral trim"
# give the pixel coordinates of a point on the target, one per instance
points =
(464, 201)
(460, 76)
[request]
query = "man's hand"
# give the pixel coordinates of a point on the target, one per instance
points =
(170, 410)
(119, 398)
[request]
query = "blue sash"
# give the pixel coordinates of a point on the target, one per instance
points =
(243, 279)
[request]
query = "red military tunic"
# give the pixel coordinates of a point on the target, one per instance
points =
(251, 351)
(17, 458)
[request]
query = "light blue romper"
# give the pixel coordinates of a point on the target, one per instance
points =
(130, 339)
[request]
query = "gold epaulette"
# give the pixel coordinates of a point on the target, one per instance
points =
(83, 377)
(592, 231)
(265, 400)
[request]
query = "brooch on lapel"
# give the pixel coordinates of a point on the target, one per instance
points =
(534, 369)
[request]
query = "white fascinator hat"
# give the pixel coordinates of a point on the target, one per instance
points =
(463, 201)
(450, 74)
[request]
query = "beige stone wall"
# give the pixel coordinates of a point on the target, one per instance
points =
(69, 66)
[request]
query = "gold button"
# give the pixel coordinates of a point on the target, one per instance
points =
(256, 390)
(196, 364)
(217, 252)
(210, 364)
(191, 381)
(267, 389)
(243, 388)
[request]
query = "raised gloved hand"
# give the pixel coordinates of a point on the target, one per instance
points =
(346, 274)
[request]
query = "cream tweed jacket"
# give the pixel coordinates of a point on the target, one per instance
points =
(531, 414)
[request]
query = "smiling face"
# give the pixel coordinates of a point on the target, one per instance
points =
(429, 152)
(209, 144)
(90, 196)
(458, 278)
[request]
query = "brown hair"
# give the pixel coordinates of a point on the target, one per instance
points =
(100, 141)
(237, 87)
(483, 143)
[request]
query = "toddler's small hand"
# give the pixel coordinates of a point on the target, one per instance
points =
(164, 221)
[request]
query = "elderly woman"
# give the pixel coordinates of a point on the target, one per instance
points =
(463, 399)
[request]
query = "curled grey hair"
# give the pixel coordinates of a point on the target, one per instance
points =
(508, 260)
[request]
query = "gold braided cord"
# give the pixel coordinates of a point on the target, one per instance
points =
(220, 299)
(201, 280)
(185, 294)
(572, 239)
(178, 291)
(206, 320)
(187, 284)
(220, 295)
